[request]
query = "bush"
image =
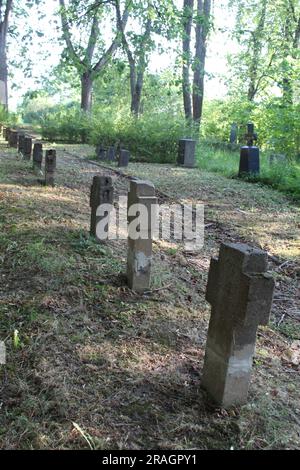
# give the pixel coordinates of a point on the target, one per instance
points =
(10, 119)
(278, 125)
(151, 138)
(67, 125)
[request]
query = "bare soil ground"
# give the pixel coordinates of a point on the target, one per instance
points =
(90, 364)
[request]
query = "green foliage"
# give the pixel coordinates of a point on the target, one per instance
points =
(7, 118)
(66, 125)
(283, 177)
(278, 125)
(152, 138)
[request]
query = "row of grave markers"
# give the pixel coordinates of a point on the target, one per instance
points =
(239, 290)
(113, 154)
(26, 148)
(249, 155)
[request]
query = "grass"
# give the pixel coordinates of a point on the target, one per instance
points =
(93, 364)
(282, 177)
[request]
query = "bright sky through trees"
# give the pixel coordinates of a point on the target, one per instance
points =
(45, 53)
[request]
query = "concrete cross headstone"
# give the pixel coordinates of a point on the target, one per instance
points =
(50, 167)
(186, 153)
(102, 192)
(37, 156)
(141, 199)
(240, 293)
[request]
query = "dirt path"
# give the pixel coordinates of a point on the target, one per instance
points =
(126, 368)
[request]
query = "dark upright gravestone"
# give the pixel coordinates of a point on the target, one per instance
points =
(233, 133)
(101, 152)
(27, 147)
(241, 294)
(50, 167)
(186, 153)
(37, 156)
(111, 154)
(7, 133)
(124, 157)
(21, 143)
(102, 192)
(249, 159)
(13, 139)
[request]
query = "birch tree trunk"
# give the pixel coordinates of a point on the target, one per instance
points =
(5, 11)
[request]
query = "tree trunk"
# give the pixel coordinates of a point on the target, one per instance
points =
(136, 84)
(3, 79)
(257, 41)
(3, 58)
(202, 29)
(86, 92)
(188, 7)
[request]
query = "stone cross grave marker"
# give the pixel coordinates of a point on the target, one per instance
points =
(124, 157)
(102, 192)
(37, 156)
(50, 167)
(27, 147)
(186, 153)
(240, 293)
(141, 198)
(249, 158)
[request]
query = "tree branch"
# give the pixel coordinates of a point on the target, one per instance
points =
(121, 29)
(67, 34)
(92, 40)
(116, 42)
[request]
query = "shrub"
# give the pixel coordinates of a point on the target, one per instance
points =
(68, 125)
(151, 138)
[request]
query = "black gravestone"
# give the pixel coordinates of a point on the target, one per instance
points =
(249, 158)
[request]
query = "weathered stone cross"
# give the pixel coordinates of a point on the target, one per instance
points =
(102, 192)
(240, 293)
